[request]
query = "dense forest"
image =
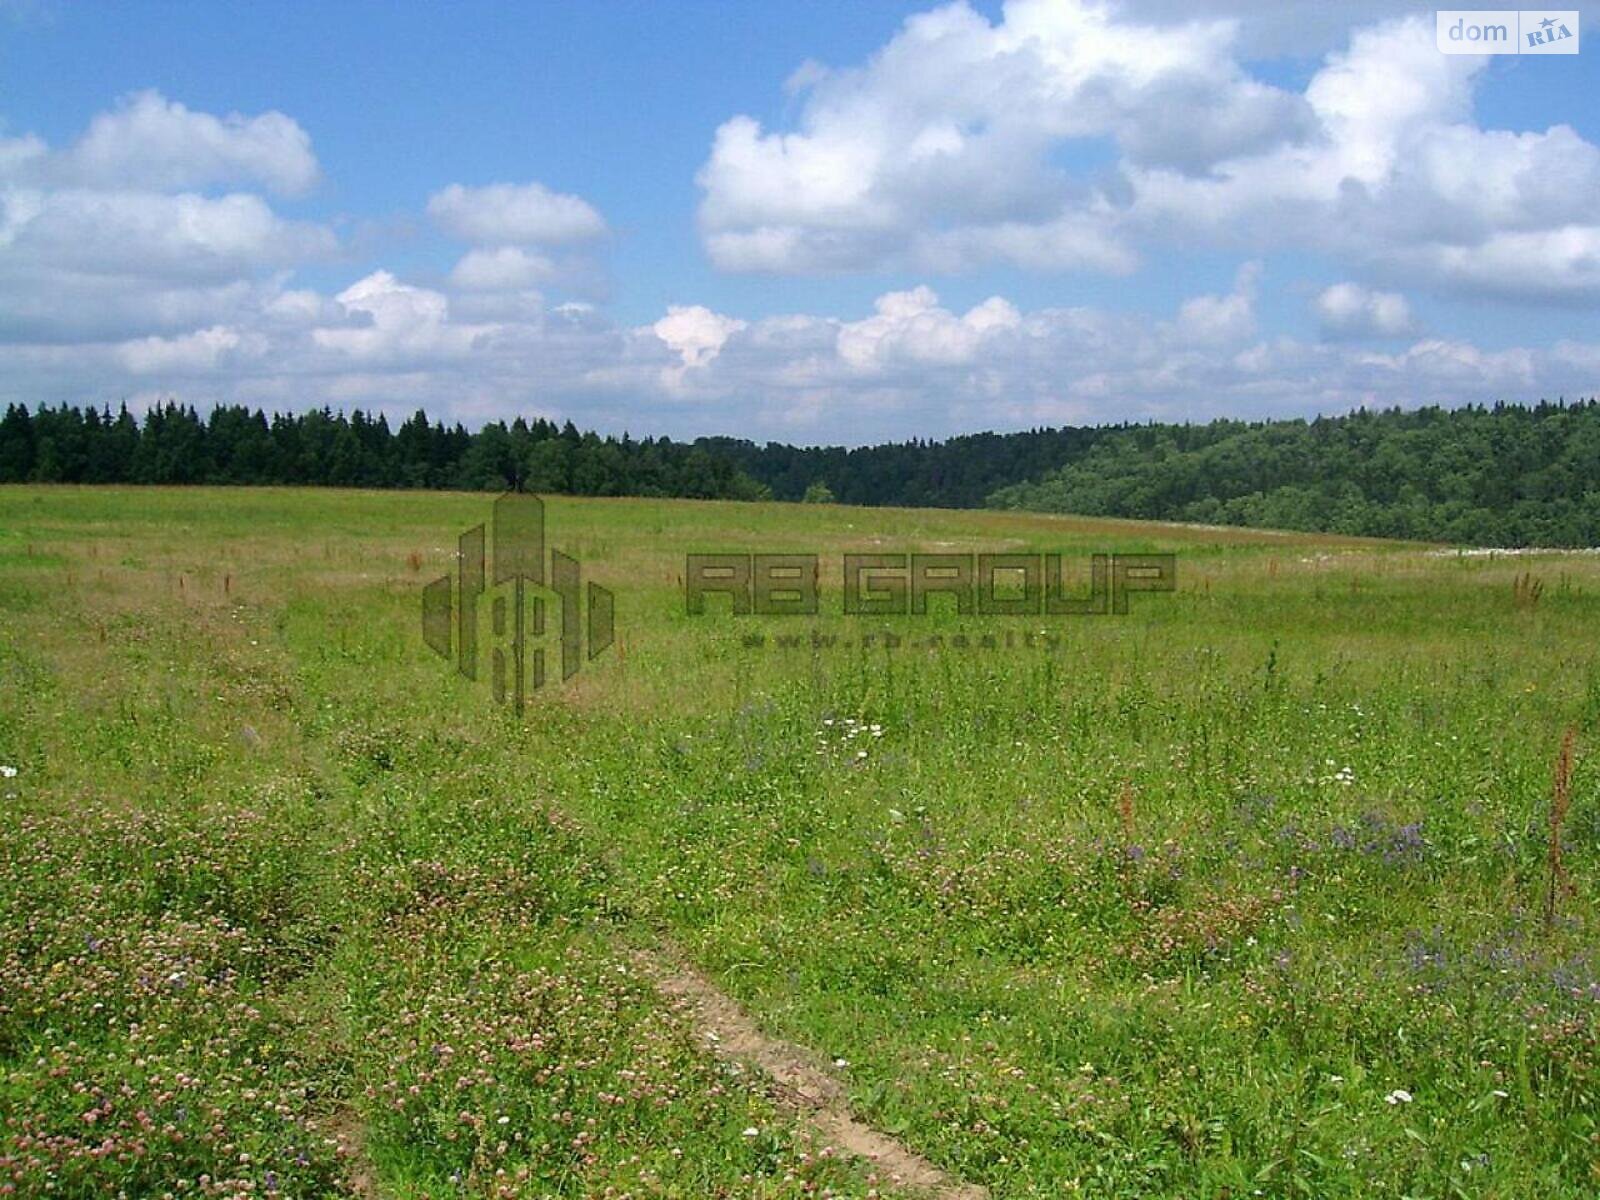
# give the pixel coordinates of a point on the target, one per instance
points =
(1501, 476)
(174, 444)
(959, 473)
(1505, 476)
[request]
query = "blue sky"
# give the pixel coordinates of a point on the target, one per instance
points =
(815, 222)
(616, 102)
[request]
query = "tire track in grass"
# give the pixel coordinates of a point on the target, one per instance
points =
(817, 1097)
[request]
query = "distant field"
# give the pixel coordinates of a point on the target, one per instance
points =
(1247, 892)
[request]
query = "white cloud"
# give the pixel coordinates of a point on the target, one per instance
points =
(402, 324)
(108, 240)
(502, 268)
(1401, 182)
(939, 152)
(695, 333)
(512, 213)
(1269, 28)
(952, 148)
(299, 308)
(1219, 320)
(1561, 264)
(910, 327)
(909, 364)
(202, 350)
(1350, 310)
(85, 264)
(21, 155)
(185, 236)
(148, 141)
(1452, 362)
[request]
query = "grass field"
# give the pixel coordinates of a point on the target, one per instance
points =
(1246, 893)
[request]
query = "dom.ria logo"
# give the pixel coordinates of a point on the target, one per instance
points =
(1506, 31)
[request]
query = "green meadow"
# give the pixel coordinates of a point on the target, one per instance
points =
(1265, 888)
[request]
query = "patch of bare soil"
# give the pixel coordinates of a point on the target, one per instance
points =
(350, 1136)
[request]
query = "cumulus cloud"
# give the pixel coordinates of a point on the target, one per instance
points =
(145, 234)
(514, 213)
(400, 323)
(1269, 28)
(503, 268)
(1401, 182)
(200, 351)
(1219, 320)
(914, 363)
(911, 327)
(940, 151)
(695, 333)
(148, 141)
(107, 239)
(1350, 310)
(944, 152)
(909, 363)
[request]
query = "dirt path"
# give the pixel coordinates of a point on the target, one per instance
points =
(818, 1097)
(349, 1134)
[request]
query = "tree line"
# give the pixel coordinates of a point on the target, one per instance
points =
(174, 444)
(960, 472)
(1506, 475)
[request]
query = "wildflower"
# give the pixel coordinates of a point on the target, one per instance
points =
(7, 771)
(752, 1131)
(1398, 1096)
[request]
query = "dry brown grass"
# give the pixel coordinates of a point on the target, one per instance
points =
(1526, 590)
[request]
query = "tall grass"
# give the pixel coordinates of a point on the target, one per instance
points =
(1558, 885)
